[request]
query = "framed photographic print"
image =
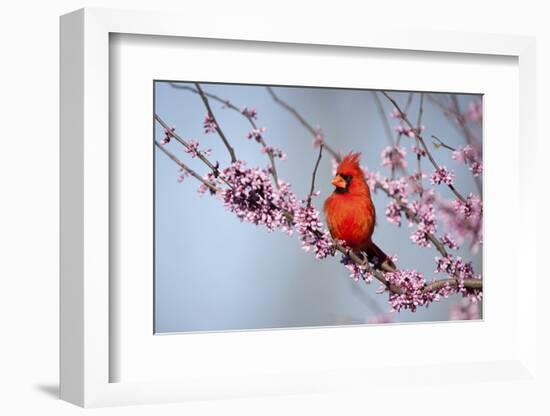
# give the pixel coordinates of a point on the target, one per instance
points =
(266, 214)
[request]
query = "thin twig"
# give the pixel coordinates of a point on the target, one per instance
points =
(228, 104)
(363, 262)
(303, 122)
(418, 155)
(435, 241)
(314, 174)
(186, 168)
(462, 121)
(443, 144)
(384, 118)
(421, 140)
(214, 168)
(455, 115)
(217, 127)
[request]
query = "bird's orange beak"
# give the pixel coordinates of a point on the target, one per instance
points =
(339, 182)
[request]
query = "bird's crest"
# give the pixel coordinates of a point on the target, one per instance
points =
(350, 164)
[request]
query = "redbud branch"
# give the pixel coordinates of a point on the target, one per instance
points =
(171, 132)
(421, 140)
(443, 144)
(456, 115)
(217, 127)
(438, 244)
(233, 107)
(433, 239)
(453, 115)
(186, 168)
(302, 121)
(385, 121)
(470, 138)
(418, 156)
(314, 174)
(362, 262)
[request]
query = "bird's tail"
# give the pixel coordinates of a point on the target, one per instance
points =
(380, 259)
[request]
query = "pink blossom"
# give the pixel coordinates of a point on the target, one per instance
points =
(394, 157)
(250, 113)
(407, 131)
(466, 154)
(411, 284)
(418, 151)
(167, 135)
(193, 149)
(427, 223)
(470, 157)
(276, 152)
(464, 219)
(209, 124)
(457, 268)
(393, 213)
(251, 197)
(476, 168)
(310, 228)
(442, 175)
(356, 271)
(183, 174)
(256, 134)
(449, 241)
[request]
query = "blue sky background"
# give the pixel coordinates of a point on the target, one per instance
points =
(213, 272)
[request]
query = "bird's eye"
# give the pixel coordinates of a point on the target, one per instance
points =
(347, 178)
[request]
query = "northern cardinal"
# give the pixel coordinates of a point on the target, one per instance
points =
(350, 213)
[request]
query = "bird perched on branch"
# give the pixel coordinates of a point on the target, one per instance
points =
(350, 213)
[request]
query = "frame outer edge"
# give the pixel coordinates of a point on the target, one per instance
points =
(71, 208)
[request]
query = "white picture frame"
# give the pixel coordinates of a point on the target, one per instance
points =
(87, 304)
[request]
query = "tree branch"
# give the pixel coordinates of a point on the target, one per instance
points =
(217, 127)
(186, 168)
(421, 140)
(169, 131)
(303, 122)
(313, 175)
(233, 107)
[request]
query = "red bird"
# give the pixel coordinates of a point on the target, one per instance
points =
(350, 213)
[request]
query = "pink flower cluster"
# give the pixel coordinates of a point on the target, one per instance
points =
(209, 124)
(275, 151)
(442, 175)
(256, 134)
(356, 272)
(250, 113)
(427, 223)
(456, 267)
(464, 220)
(193, 149)
(252, 197)
(411, 284)
(407, 131)
(167, 135)
(418, 151)
(393, 157)
(313, 235)
(470, 157)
